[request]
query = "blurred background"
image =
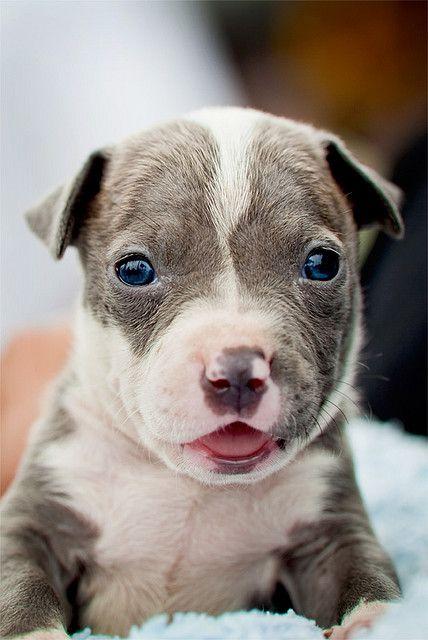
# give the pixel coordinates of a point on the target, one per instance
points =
(79, 75)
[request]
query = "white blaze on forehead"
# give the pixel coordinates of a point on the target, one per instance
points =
(233, 131)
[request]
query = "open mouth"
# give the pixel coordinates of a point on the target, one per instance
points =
(234, 448)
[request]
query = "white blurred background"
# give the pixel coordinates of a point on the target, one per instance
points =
(77, 76)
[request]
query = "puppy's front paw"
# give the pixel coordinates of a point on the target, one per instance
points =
(362, 617)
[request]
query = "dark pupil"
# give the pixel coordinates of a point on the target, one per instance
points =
(135, 271)
(321, 265)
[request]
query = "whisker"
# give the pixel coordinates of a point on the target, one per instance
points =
(128, 417)
(348, 384)
(339, 409)
(318, 424)
(332, 419)
(354, 402)
(362, 364)
(374, 376)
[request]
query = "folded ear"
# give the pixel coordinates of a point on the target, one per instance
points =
(57, 219)
(374, 200)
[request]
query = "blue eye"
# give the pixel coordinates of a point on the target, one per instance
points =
(321, 264)
(135, 271)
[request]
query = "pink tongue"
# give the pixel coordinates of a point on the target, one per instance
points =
(237, 440)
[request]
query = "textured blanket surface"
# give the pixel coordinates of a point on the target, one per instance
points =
(392, 470)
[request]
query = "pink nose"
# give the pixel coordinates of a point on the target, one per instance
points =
(236, 378)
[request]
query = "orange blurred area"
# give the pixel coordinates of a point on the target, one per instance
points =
(362, 58)
(357, 67)
(31, 360)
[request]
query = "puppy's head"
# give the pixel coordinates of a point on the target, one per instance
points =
(220, 265)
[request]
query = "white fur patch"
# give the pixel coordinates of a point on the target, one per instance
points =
(170, 543)
(232, 130)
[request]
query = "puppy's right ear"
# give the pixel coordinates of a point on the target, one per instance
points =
(374, 200)
(58, 218)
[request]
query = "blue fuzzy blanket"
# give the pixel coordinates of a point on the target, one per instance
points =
(392, 470)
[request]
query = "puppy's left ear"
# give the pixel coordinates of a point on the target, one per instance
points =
(58, 218)
(374, 200)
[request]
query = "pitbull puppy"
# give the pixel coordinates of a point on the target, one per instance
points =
(192, 456)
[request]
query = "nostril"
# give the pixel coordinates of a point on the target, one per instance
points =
(221, 384)
(256, 384)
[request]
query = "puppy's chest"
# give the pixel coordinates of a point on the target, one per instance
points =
(168, 543)
(185, 540)
(181, 540)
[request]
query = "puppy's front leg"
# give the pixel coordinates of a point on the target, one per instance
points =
(336, 572)
(29, 597)
(41, 543)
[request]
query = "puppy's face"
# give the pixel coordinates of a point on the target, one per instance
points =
(220, 269)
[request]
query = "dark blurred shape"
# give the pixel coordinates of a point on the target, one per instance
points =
(356, 67)
(245, 26)
(395, 282)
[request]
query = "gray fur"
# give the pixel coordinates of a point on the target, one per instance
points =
(334, 565)
(152, 194)
(155, 196)
(45, 545)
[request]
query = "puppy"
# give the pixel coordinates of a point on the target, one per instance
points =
(192, 456)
